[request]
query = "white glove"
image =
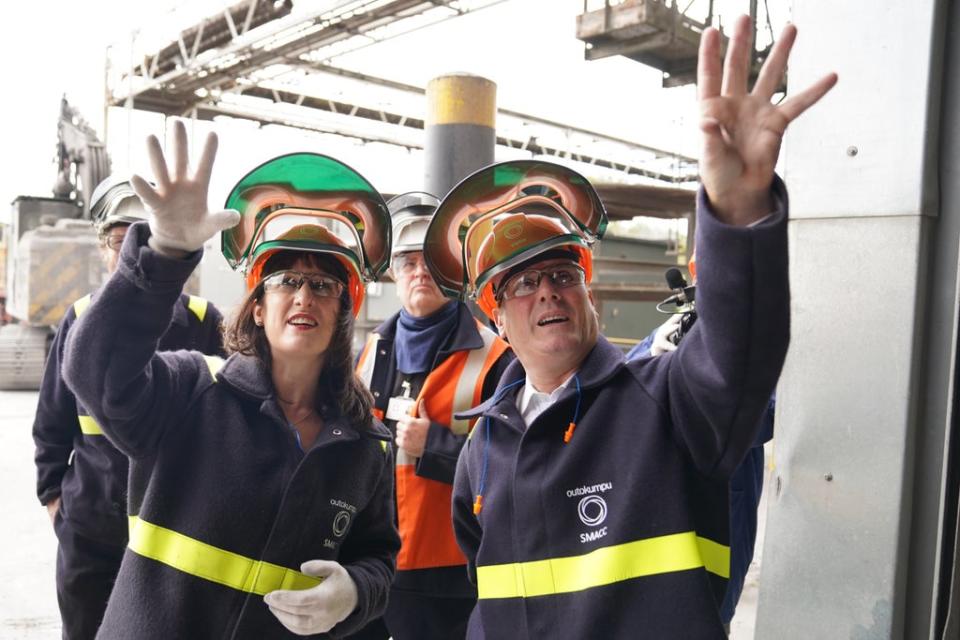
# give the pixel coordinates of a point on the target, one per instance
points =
(318, 609)
(661, 339)
(177, 206)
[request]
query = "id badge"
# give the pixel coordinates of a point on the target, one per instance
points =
(399, 406)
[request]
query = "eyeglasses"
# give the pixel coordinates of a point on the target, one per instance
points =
(407, 263)
(289, 282)
(113, 242)
(527, 282)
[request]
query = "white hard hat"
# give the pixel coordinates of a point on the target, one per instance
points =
(114, 202)
(411, 213)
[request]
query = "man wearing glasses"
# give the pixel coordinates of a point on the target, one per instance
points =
(591, 498)
(81, 477)
(422, 365)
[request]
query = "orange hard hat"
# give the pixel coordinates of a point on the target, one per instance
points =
(506, 214)
(518, 238)
(313, 238)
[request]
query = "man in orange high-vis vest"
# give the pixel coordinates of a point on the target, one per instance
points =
(427, 362)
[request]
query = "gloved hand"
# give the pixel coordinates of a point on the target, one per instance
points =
(318, 609)
(177, 205)
(661, 339)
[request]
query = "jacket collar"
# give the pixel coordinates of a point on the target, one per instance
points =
(249, 377)
(465, 337)
(602, 363)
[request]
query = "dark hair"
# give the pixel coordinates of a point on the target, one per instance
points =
(338, 383)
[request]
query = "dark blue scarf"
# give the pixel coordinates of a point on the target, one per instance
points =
(418, 339)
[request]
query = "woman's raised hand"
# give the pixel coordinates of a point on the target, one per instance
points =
(177, 204)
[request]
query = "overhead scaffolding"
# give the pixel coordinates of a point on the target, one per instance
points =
(264, 68)
(658, 33)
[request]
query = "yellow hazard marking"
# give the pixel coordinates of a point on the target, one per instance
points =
(461, 99)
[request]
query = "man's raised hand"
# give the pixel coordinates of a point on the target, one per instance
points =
(742, 130)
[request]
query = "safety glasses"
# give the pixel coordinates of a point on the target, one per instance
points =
(289, 282)
(527, 283)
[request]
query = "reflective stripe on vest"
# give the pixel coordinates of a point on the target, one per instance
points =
(89, 426)
(199, 307)
(367, 359)
(202, 560)
(607, 565)
(469, 389)
(423, 505)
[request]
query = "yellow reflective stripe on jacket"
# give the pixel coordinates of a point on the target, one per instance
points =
(81, 305)
(663, 554)
(89, 426)
(214, 363)
(199, 307)
(205, 561)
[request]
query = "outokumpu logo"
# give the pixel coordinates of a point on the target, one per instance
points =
(591, 509)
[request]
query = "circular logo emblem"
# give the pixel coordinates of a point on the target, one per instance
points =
(342, 521)
(592, 510)
(514, 230)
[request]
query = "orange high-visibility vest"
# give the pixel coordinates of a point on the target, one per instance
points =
(423, 505)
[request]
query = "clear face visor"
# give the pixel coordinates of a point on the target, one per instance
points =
(560, 205)
(302, 228)
(310, 189)
(500, 240)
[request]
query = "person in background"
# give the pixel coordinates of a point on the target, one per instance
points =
(746, 483)
(592, 498)
(81, 476)
(425, 363)
(261, 487)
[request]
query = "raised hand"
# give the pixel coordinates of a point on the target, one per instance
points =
(179, 218)
(742, 131)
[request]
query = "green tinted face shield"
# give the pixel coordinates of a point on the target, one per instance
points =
(457, 251)
(291, 189)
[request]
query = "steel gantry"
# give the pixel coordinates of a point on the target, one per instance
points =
(254, 60)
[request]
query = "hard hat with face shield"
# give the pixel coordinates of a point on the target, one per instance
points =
(309, 202)
(114, 202)
(505, 217)
(410, 215)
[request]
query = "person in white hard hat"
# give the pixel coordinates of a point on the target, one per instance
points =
(87, 497)
(425, 363)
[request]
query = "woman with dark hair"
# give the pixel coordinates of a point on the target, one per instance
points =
(260, 493)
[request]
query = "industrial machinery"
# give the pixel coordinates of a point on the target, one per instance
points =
(50, 253)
